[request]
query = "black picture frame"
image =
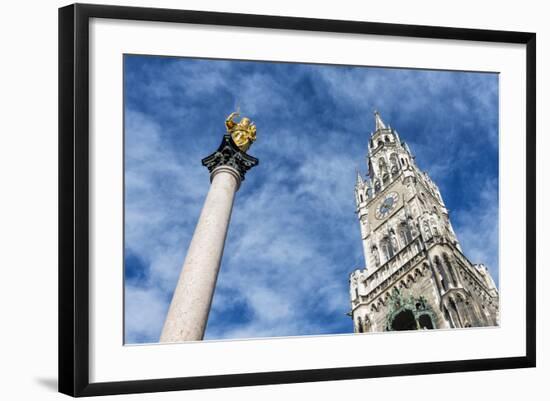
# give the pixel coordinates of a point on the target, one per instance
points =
(74, 198)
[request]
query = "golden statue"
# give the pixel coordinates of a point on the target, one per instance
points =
(243, 133)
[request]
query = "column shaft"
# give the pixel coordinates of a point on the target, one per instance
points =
(190, 306)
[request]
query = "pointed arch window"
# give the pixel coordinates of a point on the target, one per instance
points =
(442, 273)
(455, 312)
(359, 325)
(403, 237)
(412, 226)
(387, 248)
(382, 166)
(394, 163)
(417, 246)
(375, 255)
(405, 234)
(448, 317)
(393, 241)
(450, 268)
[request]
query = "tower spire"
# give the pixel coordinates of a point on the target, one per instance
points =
(378, 120)
(359, 179)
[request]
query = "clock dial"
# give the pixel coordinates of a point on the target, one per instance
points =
(387, 205)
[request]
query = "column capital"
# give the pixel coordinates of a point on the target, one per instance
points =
(228, 154)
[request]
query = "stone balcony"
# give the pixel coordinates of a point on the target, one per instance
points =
(391, 271)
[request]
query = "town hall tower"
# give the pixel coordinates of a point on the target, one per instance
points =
(416, 276)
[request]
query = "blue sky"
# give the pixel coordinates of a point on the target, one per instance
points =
(293, 237)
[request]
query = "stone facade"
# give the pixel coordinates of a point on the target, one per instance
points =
(417, 276)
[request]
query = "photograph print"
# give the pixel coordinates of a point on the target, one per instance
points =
(270, 199)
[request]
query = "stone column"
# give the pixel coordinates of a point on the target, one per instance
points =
(188, 314)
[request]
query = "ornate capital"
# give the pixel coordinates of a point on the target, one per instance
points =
(229, 154)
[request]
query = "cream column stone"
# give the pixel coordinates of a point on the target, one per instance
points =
(188, 313)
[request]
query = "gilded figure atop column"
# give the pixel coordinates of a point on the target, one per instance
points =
(243, 132)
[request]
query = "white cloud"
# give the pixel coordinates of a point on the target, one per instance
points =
(293, 237)
(144, 313)
(477, 228)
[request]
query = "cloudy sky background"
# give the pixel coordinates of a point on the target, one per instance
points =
(293, 237)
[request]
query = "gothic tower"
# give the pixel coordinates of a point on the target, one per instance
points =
(416, 276)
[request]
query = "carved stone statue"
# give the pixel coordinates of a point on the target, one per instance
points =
(434, 228)
(243, 133)
(427, 230)
(413, 227)
(393, 240)
(376, 256)
(353, 287)
(361, 284)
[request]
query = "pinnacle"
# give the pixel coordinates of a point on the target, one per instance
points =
(378, 120)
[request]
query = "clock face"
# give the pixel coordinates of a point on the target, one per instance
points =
(386, 206)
